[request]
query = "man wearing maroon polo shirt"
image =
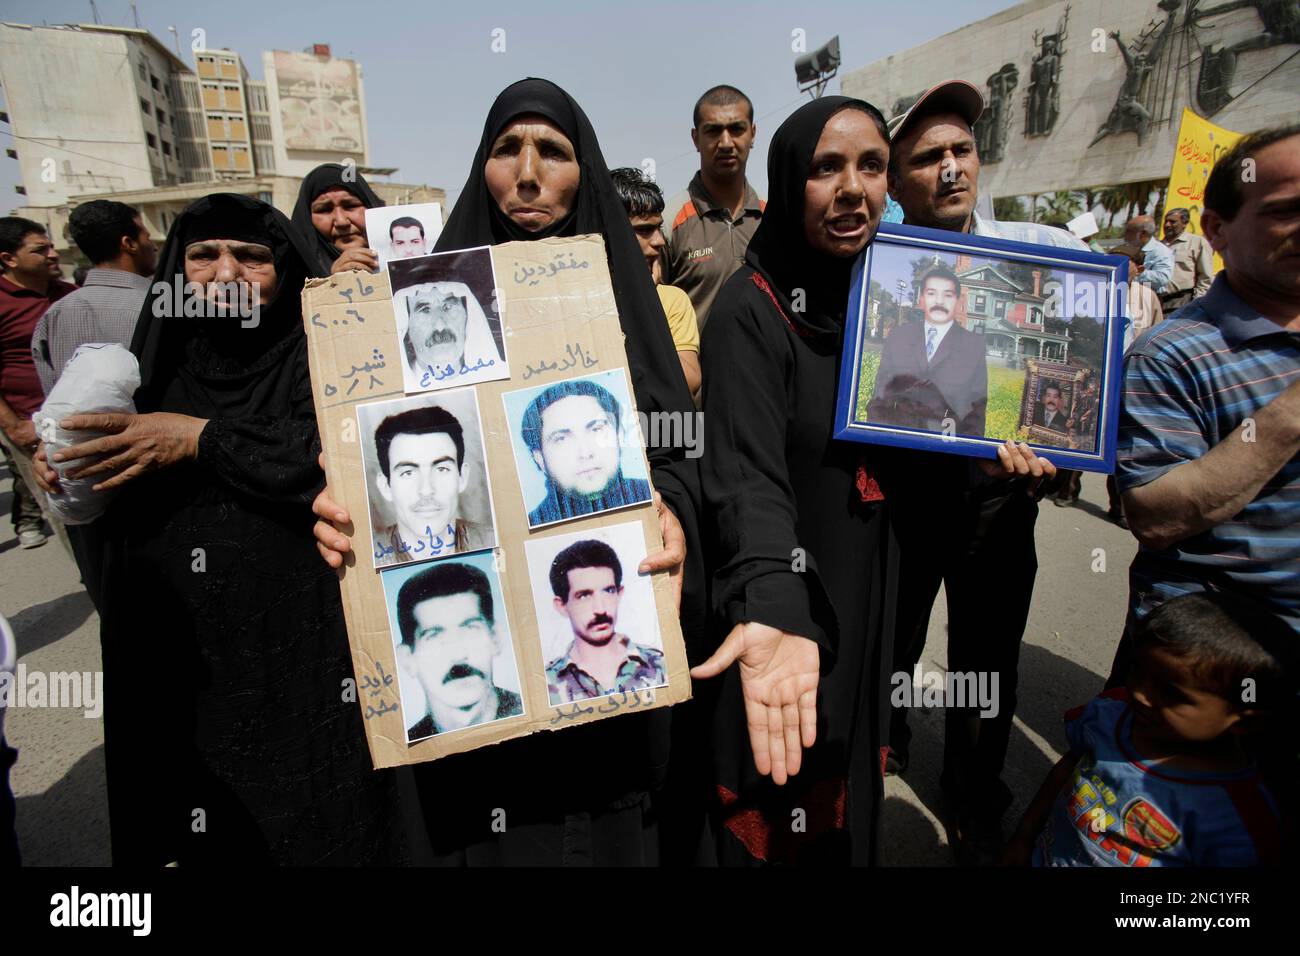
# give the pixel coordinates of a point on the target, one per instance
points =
(29, 285)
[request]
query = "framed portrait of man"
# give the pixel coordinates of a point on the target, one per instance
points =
(957, 343)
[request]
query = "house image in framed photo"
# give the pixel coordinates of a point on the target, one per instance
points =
(1010, 314)
(957, 343)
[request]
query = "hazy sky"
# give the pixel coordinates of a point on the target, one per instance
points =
(430, 73)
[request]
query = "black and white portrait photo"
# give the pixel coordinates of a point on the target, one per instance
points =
(426, 477)
(456, 662)
(448, 320)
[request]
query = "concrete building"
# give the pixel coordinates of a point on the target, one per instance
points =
(180, 134)
(316, 107)
(93, 109)
(1073, 107)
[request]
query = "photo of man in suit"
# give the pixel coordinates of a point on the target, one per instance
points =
(1051, 408)
(933, 372)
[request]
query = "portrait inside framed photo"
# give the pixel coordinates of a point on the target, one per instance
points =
(957, 343)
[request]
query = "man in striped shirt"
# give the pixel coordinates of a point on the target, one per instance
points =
(1209, 445)
(105, 309)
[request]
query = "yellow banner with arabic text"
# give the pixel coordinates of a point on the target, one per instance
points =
(1200, 144)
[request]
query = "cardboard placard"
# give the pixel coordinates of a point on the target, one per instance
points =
(559, 321)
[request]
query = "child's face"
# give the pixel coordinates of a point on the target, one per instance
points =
(1172, 703)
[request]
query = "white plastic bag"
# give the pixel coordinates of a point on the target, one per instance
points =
(99, 378)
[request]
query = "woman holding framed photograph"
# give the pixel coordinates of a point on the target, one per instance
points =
(803, 575)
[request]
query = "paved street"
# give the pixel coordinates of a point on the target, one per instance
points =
(1075, 621)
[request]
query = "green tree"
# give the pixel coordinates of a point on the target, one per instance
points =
(1010, 209)
(1062, 205)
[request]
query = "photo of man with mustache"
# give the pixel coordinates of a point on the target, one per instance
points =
(1051, 411)
(445, 310)
(932, 373)
(587, 582)
(449, 636)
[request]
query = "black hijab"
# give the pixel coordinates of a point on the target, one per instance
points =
(657, 377)
(220, 360)
(322, 179)
(779, 250)
(477, 220)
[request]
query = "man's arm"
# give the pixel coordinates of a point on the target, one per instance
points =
(19, 430)
(1199, 494)
(691, 369)
(1203, 264)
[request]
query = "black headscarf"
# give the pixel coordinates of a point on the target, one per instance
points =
(221, 363)
(656, 371)
(779, 250)
(322, 179)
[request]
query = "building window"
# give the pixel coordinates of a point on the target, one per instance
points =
(144, 106)
(167, 148)
(265, 158)
(979, 302)
(149, 138)
(1036, 316)
(144, 73)
(1000, 308)
(153, 81)
(162, 117)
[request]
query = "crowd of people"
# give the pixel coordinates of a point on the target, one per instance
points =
(806, 569)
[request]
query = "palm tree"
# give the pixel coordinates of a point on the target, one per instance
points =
(1061, 205)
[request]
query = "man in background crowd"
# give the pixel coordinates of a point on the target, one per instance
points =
(1209, 436)
(1193, 262)
(710, 223)
(644, 203)
(105, 309)
(30, 284)
(965, 523)
(1158, 263)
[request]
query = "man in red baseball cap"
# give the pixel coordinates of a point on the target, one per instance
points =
(965, 523)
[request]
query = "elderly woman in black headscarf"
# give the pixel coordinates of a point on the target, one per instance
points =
(581, 796)
(802, 576)
(330, 216)
(230, 732)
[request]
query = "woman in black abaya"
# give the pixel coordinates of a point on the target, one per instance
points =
(230, 734)
(330, 216)
(582, 795)
(802, 575)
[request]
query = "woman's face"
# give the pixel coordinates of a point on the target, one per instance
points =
(532, 173)
(234, 275)
(845, 194)
(340, 217)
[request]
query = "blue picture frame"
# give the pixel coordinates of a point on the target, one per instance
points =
(1077, 279)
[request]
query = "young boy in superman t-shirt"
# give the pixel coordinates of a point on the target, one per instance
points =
(1157, 774)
